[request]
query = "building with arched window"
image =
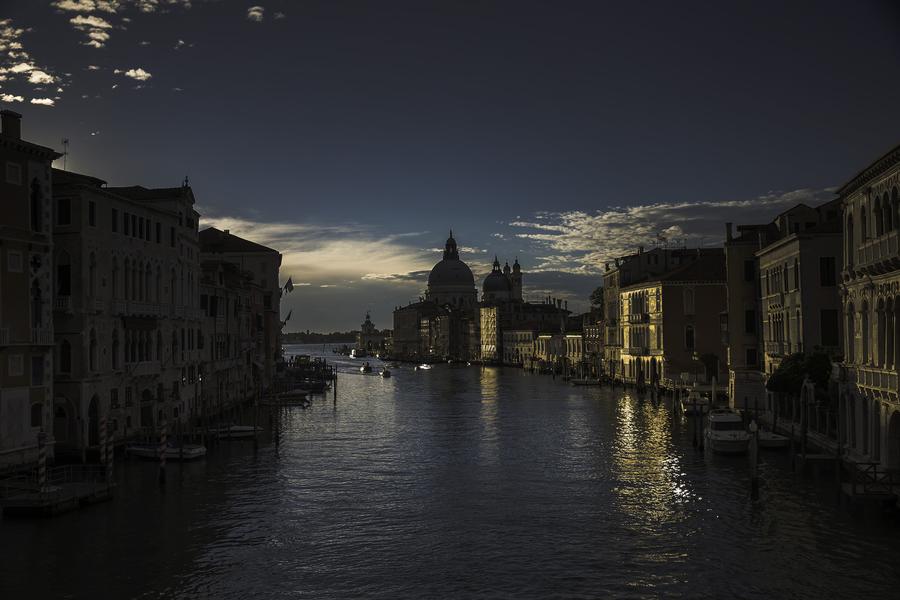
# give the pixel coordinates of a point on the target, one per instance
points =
(870, 289)
(27, 275)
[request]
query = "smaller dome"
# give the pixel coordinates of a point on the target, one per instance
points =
(495, 282)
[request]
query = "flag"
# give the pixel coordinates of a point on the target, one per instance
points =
(289, 286)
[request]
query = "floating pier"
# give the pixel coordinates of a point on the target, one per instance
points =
(66, 488)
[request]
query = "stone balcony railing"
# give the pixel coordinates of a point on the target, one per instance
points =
(42, 336)
(638, 351)
(875, 378)
(877, 250)
(639, 318)
(62, 303)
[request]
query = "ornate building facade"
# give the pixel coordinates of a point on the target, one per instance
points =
(870, 290)
(26, 293)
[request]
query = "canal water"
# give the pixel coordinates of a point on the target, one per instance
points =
(458, 482)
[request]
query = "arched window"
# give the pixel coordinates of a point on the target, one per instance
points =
(92, 275)
(115, 349)
(127, 291)
(886, 211)
(172, 287)
(796, 274)
(158, 282)
(148, 273)
(876, 212)
(688, 301)
(689, 337)
(63, 274)
(159, 344)
(864, 226)
(37, 414)
(65, 357)
(850, 248)
(864, 330)
(92, 352)
(784, 278)
(851, 333)
(37, 206)
(115, 277)
(37, 305)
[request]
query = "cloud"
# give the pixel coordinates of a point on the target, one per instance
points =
(38, 77)
(256, 13)
(138, 74)
(93, 68)
(90, 22)
(11, 98)
(581, 242)
(43, 101)
(279, 15)
(87, 6)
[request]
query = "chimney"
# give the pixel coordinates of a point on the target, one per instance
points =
(11, 123)
(640, 249)
(227, 231)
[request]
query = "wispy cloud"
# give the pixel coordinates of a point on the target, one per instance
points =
(256, 13)
(581, 242)
(17, 66)
(43, 101)
(279, 15)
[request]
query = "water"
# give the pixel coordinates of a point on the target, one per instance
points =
(458, 482)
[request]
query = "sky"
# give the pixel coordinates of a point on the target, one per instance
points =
(351, 136)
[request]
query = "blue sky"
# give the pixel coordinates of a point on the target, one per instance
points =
(352, 135)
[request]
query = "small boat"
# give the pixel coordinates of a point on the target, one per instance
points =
(385, 373)
(768, 439)
(366, 368)
(726, 432)
(358, 353)
(182, 452)
(584, 381)
(424, 366)
(694, 403)
(235, 432)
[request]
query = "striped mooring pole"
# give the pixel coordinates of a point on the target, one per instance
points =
(42, 461)
(163, 443)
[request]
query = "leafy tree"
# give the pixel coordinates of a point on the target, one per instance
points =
(788, 377)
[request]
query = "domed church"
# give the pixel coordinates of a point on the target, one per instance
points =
(451, 280)
(503, 286)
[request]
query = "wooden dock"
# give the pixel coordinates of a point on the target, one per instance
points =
(67, 488)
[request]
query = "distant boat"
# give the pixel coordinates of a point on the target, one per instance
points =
(425, 366)
(235, 432)
(584, 381)
(385, 373)
(358, 353)
(366, 368)
(694, 403)
(151, 451)
(726, 432)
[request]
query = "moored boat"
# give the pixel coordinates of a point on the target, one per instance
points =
(235, 432)
(182, 452)
(726, 432)
(366, 368)
(358, 353)
(385, 373)
(424, 366)
(694, 403)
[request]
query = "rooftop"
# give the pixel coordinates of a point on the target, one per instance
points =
(216, 240)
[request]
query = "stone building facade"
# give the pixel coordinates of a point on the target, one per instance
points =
(870, 293)
(26, 293)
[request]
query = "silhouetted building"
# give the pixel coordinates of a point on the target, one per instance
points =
(369, 337)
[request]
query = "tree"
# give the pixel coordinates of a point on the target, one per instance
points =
(788, 377)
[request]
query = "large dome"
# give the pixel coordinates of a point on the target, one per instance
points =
(496, 282)
(451, 272)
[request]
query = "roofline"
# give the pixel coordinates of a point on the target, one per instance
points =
(880, 164)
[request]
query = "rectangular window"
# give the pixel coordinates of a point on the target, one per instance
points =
(134, 230)
(827, 271)
(126, 224)
(14, 173)
(14, 261)
(750, 321)
(15, 365)
(64, 211)
(140, 227)
(92, 213)
(114, 220)
(829, 327)
(158, 232)
(114, 398)
(37, 370)
(749, 270)
(128, 399)
(752, 357)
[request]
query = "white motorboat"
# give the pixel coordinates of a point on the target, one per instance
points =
(366, 368)
(358, 353)
(385, 373)
(768, 439)
(235, 432)
(151, 451)
(726, 433)
(694, 403)
(425, 366)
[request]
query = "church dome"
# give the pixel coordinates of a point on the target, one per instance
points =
(451, 272)
(496, 281)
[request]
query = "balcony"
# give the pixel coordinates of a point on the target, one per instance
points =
(638, 351)
(639, 318)
(119, 307)
(777, 348)
(62, 304)
(42, 336)
(146, 309)
(876, 378)
(874, 253)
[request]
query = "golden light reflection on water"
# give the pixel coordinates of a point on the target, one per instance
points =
(651, 486)
(490, 389)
